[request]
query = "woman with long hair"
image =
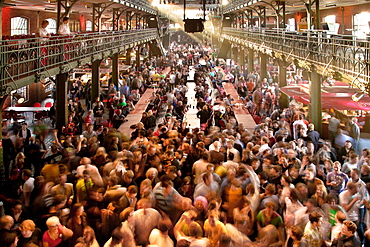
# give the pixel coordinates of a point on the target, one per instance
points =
(20, 161)
(89, 237)
(320, 195)
(286, 182)
(292, 204)
(77, 222)
(100, 157)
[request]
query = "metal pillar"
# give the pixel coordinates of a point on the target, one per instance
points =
(283, 99)
(61, 106)
(129, 16)
(315, 100)
(98, 10)
(2, 168)
(67, 6)
(235, 54)
(343, 26)
(261, 12)
(318, 18)
(313, 18)
(117, 12)
(263, 65)
(241, 56)
(280, 17)
(1, 18)
(128, 56)
(250, 60)
(249, 15)
(115, 69)
(138, 58)
(138, 18)
(95, 79)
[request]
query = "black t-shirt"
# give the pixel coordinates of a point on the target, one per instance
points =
(35, 238)
(54, 158)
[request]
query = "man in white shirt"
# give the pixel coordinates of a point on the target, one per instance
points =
(264, 144)
(64, 28)
(351, 164)
(230, 163)
(350, 201)
(28, 186)
(230, 148)
(295, 126)
(199, 167)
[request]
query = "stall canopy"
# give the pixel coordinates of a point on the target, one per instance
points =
(337, 97)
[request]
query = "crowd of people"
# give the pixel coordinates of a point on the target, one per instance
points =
(168, 185)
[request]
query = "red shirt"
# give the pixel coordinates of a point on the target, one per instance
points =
(52, 243)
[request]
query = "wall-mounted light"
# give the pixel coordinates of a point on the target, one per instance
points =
(330, 5)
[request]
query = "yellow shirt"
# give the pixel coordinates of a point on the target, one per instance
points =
(213, 233)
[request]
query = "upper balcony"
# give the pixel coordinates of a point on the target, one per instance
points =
(340, 56)
(27, 60)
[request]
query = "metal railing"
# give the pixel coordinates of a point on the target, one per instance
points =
(142, 5)
(25, 61)
(343, 54)
(234, 5)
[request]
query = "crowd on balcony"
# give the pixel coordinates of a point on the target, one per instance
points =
(168, 185)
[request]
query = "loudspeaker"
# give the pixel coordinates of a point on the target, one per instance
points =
(324, 26)
(193, 25)
(225, 47)
(227, 20)
(152, 21)
(154, 49)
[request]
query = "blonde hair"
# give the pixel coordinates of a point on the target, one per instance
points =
(52, 221)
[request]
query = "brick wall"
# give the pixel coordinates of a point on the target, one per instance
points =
(35, 18)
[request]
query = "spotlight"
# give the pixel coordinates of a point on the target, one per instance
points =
(357, 96)
(19, 98)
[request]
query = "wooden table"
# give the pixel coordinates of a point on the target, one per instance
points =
(143, 102)
(241, 114)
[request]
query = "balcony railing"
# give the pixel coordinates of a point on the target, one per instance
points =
(341, 54)
(25, 61)
(234, 5)
(142, 5)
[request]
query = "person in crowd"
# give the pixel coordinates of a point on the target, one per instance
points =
(29, 234)
(159, 237)
(24, 134)
(42, 32)
(347, 236)
(216, 182)
(57, 234)
(77, 222)
(6, 226)
(64, 27)
(312, 234)
(213, 228)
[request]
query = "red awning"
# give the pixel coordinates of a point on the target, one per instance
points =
(329, 100)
